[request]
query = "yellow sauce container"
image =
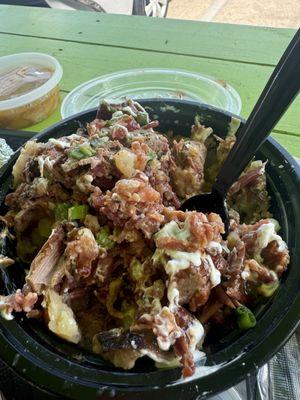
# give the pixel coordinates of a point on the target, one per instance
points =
(34, 105)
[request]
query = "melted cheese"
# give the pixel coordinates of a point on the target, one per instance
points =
(266, 233)
(172, 230)
(173, 296)
(214, 248)
(181, 260)
(195, 333)
(214, 274)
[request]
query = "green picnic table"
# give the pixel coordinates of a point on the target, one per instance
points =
(90, 44)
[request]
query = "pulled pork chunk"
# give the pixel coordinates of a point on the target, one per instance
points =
(218, 150)
(248, 196)
(276, 257)
(194, 286)
(158, 174)
(182, 330)
(166, 329)
(264, 244)
(43, 266)
(82, 250)
(235, 286)
(257, 259)
(189, 157)
(157, 143)
(133, 204)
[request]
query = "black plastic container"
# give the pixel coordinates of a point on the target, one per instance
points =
(62, 369)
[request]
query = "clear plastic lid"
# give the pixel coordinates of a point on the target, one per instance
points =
(152, 83)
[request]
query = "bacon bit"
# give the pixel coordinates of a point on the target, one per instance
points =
(133, 203)
(140, 150)
(172, 243)
(174, 215)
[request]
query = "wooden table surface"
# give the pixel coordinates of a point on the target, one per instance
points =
(89, 44)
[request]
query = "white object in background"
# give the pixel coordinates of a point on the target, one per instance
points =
(109, 6)
(117, 6)
(156, 8)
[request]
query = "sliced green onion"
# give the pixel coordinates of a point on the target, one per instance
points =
(103, 239)
(77, 154)
(61, 211)
(142, 118)
(77, 212)
(82, 151)
(87, 150)
(268, 289)
(245, 318)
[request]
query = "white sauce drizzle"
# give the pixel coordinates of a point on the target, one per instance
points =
(266, 233)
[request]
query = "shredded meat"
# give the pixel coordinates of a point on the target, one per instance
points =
(189, 157)
(274, 258)
(247, 178)
(82, 250)
(43, 265)
(160, 181)
(186, 357)
(194, 286)
(166, 329)
(133, 203)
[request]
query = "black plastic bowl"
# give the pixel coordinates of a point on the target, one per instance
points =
(62, 369)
